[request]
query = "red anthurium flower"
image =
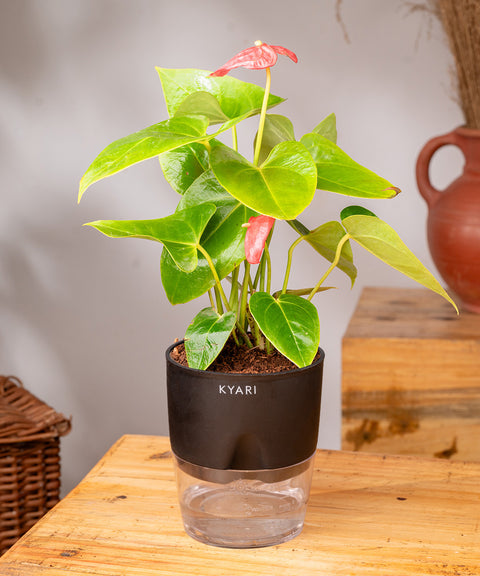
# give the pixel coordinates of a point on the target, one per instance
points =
(257, 57)
(258, 229)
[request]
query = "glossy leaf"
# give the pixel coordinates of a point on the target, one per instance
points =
(223, 239)
(327, 128)
(180, 232)
(184, 165)
(202, 103)
(277, 129)
(206, 336)
(325, 239)
(380, 239)
(181, 287)
(224, 230)
(236, 99)
(290, 323)
(142, 145)
(233, 122)
(337, 172)
(303, 291)
(282, 187)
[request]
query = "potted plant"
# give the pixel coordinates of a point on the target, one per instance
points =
(244, 441)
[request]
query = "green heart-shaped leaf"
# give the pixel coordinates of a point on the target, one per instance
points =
(337, 172)
(180, 232)
(277, 129)
(181, 287)
(327, 128)
(325, 239)
(235, 97)
(380, 239)
(290, 323)
(206, 336)
(223, 239)
(226, 224)
(202, 103)
(142, 145)
(184, 165)
(282, 187)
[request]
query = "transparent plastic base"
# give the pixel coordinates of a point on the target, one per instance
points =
(243, 508)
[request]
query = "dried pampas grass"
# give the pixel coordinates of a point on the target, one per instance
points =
(461, 21)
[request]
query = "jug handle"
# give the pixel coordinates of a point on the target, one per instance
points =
(425, 187)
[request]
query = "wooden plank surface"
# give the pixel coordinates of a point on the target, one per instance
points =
(368, 515)
(411, 376)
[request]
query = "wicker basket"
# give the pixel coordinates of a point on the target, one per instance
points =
(29, 459)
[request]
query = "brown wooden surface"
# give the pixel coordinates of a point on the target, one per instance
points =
(368, 515)
(411, 376)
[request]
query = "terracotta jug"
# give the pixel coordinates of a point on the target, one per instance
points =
(453, 225)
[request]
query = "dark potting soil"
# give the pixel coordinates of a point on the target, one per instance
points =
(241, 359)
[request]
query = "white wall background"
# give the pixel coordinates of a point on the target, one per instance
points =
(83, 319)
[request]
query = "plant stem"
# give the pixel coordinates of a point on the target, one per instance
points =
(289, 263)
(221, 296)
(298, 227)
(261, 285)
(254, 284)
(266, 251)
(234, 138)
(338, 252)
(207, 144)
(235, 337)
(244, 335)
(218, 298)
(257, 335)
(244, 297)
(263, 113)
(234, 289)
(268, 346)
(212, 301)
(218, 284)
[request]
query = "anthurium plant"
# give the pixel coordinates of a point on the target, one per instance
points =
(218, 240)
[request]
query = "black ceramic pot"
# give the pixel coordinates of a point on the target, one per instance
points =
(243, 421)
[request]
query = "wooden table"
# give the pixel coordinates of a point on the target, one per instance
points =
(368, 514)
(411, 376)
